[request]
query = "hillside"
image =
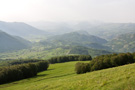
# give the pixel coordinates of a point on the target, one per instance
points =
(80, 38)
(9, 43)
(76, 37)
(62, 76)
(87, 51)
(123, 43)
(41, 52)
(21, 29)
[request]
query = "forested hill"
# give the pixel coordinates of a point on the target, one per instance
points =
(79, 38)
(123, 43)
(9, 43)
(75, 37)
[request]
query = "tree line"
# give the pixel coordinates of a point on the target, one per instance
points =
(22, 61)
(105, 61)
(25, 68)
(60, 59)
(21, 71)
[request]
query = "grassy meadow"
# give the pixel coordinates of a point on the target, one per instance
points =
(61, 76)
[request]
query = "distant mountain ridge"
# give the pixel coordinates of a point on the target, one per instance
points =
(20, 29)
(10, 43)
(111, 30)
(107, 31)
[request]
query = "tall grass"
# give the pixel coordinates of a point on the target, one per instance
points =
(61, 76)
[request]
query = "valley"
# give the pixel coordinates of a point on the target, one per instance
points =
(17, 50)
(67, 45)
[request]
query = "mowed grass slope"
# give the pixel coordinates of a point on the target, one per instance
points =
(62, 76)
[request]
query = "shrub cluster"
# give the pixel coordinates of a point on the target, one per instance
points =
(21, 71)
(61, 59)
(82, 67)
(42, 66)
(105, 61)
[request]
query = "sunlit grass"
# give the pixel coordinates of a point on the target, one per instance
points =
(62, 76)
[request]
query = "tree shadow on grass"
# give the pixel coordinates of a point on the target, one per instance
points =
(60, 76)
(55, 76)
(49, 69)
(42, 75)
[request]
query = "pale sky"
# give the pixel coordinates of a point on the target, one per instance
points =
(67, 10)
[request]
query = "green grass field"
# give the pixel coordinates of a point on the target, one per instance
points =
(62, 76)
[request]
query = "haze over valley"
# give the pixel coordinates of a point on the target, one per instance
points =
(67, 45)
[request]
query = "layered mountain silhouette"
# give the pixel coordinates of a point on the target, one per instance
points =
(10, 43)
(20, 29)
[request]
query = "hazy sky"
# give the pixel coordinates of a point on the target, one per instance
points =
(67, 10)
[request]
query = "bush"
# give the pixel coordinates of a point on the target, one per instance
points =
(42, 66)
(82, 68)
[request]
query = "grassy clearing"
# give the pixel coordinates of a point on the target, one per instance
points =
(61, 76)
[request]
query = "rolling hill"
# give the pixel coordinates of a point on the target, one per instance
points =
(123, 43)
(80, 38)
(10, 43)
(48, 52)
(66, 44)
(61, 76)
(76, 37)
